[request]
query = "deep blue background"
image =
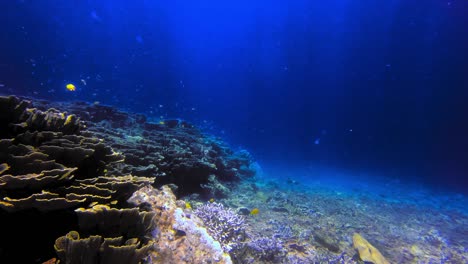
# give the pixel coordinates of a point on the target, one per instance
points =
(383, 84)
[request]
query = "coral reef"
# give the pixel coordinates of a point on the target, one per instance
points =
(312, 223)
(173, 150)
(96, 249)
(180, 236)
(86, 183)
(214, 188)
(51, 171)
(63, 169)
(267, 249)
(224, 224)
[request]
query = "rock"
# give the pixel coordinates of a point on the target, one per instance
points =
(327, 243)
(243, 211)
(214, 188)
(367, 252)
(279, 209)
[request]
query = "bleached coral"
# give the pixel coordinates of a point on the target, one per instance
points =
(180, 236)
(225, 225)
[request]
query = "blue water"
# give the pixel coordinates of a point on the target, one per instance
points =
(376, 89)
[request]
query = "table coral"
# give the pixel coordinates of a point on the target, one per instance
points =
(50, 168)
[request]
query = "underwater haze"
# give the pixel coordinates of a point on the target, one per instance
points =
(322, 122)
(361, 86)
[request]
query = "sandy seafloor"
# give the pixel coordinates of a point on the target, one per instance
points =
(315, 219)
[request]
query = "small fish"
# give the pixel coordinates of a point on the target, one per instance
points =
(255, 211)
(83, 81)
(188, 205)
(212, 200)
(71, 87)
(317, 141)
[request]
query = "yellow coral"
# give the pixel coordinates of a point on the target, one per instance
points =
(4, 167)
(367, 252)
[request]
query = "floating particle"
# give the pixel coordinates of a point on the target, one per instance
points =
(95, 16)
(139, 39)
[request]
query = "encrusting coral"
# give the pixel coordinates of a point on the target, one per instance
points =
(368, 252)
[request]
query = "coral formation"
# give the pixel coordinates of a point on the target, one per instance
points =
(367, 252)
(97, 249)
(224, 224)
(180, 236)
(62, 169)
(174, 151)
(214, 188)
(267, 249)
(98, 185)
(50, 169)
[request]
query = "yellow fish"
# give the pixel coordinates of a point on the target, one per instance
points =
(212, 200)
(254, 211)
(71, 87)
